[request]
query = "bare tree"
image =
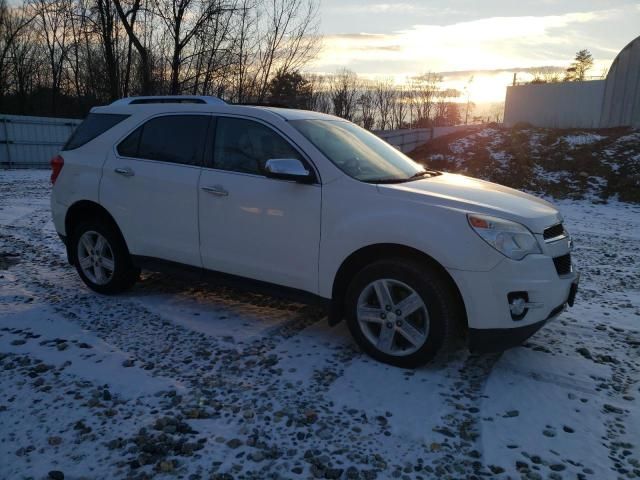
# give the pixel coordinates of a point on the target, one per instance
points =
(367, 103)
(385, 94)
(26, 62)
(183, 20)
(320, 93)
(8, 33)
(426, 89)
(53, 19)
(400, 107)
(107, 30)
(244, 48)
(98, 50)
(128, 19)
(12, 22)
(604, 72)
(546, 75)
(469, 104)
(212, 55)
(78, 58)
(496, 113)
(344, 94)
(447, 112)
(288, 38)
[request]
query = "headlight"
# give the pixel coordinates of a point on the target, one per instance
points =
(509, 238)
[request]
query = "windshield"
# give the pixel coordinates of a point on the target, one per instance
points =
(358, 153)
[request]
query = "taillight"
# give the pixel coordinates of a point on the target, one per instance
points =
(57, 163)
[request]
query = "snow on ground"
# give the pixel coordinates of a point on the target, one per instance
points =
(581, 139)
(580, 164)
(184, 380)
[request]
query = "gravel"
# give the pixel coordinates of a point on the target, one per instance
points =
(178, 379)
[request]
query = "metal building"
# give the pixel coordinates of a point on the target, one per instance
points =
(555, 105)
(621, 103)
(613, 102)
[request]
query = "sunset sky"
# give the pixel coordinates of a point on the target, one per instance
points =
(490, 39)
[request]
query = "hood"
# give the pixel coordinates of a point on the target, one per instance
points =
(477, 196)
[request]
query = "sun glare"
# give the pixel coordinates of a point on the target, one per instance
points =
(481, 87)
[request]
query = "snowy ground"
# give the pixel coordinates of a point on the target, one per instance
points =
(577, 164)
(176, 380)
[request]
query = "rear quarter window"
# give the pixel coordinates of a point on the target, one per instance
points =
(169, 138)
(95, 124)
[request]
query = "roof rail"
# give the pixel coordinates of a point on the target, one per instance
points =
(201, 99)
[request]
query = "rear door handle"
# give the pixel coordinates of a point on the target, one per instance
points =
(215, 190)
(127, 172)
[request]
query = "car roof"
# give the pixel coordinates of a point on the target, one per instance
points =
(209, 105)
(297, 114)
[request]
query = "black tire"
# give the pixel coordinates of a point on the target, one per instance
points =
(442, 304)
(124, 274)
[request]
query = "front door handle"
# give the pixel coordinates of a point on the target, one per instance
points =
(216, 190)
(127, 172)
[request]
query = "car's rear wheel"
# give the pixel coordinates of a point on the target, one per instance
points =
(401, 312)
(102, 259)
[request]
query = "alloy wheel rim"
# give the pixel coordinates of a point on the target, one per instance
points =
(95, 257)
(393, 317)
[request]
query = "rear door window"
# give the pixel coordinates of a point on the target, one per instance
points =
(95, 124)
(171, 138)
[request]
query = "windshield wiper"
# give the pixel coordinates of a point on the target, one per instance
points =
(422, 174)
(415, 176)
(386, 180)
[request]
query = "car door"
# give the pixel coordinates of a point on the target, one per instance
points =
(150, 186)
(253, 226)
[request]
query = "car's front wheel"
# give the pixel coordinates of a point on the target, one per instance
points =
(401, 312)
(102, 259)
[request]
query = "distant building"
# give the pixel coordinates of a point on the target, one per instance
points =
(614, 102)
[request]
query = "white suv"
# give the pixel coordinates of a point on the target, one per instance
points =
(313, 206)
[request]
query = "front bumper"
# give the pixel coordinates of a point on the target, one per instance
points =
(486, 340)
(485, 295)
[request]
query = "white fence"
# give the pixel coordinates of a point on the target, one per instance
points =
(30, 142)
(411, 138)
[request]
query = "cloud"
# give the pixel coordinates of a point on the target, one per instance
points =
(463, 77)
(395, 8)
(468, 73)
(490, 49)
(488, 43)
(388, 48)
(359, 36)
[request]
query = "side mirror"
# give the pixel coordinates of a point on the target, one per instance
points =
(287, 169)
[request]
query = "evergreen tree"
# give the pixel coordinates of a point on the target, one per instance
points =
(290, 89)
(578, 69)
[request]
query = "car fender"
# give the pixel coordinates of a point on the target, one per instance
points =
(357, 217)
